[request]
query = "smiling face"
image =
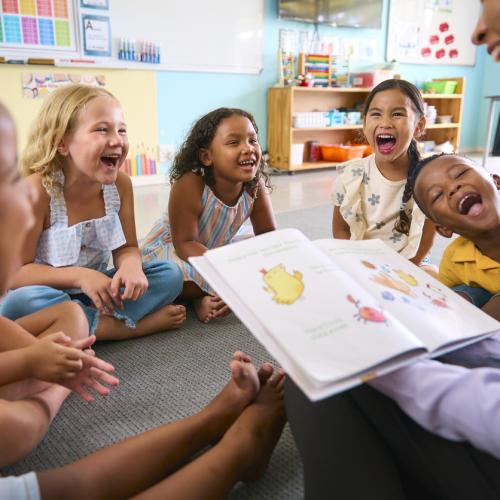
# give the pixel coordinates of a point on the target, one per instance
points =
(459, 196)
(234, 154)
(488, 28)
(16, 204)
(97, 144)
(390, 124)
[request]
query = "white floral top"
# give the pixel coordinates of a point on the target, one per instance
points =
(370, 204)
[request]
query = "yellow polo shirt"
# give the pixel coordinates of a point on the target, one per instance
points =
(464, 264)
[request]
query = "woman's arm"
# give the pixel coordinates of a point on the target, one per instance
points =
(184, 209)
(428, 233)
(262, 215)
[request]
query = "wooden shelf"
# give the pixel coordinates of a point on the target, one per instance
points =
(284, 102)
(336, 127)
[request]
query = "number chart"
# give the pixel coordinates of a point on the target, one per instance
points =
(37, 24)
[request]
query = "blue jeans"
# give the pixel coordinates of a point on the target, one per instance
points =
(477, 295)
(165, 284)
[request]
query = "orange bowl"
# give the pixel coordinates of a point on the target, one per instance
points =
(340, 153)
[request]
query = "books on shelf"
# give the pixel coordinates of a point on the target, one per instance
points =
(335, 313)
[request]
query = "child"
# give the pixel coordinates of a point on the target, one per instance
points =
(371, 196)
(202, 456)
(36, 374)
(218, 182)
(460, 197)
(84, 214)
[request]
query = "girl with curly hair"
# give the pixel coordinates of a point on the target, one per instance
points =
(218, 181)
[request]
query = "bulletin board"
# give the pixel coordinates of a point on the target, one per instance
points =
(432, 31)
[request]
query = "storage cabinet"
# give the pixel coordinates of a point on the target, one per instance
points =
(284, 102)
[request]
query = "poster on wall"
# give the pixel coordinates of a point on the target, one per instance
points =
(41, 25)
(432, 31)
(96, 32)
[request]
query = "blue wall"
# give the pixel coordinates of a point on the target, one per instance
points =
(183, 96)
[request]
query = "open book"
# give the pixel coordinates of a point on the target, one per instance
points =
(335, 313)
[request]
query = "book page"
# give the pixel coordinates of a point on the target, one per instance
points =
(323, 320)
(434, 313)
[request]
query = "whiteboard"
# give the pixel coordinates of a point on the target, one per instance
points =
(432, 31)
(195, 35)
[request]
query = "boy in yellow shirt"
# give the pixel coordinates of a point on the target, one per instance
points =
(461, 197)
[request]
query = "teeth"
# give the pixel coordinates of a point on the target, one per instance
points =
(385, 136)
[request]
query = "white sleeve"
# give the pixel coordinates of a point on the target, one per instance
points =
(23, 487)
(338, 191)
(457, 403)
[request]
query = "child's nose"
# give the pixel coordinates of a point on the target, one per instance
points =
(479, 33)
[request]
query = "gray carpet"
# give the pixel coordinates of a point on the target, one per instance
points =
(169, 376)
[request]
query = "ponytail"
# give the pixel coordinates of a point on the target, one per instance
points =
(403, 223)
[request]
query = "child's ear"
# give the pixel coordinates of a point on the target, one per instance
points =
(62, 149)
(419, 129)
(205, 157)
(444, 231)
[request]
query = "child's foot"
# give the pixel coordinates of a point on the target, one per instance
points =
(221, 308)
(166, 318)
(238, 393)
(205, 308)
(259, 427)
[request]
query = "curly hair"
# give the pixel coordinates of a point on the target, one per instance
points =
(56, 118)
(200, 137)
(403, 223)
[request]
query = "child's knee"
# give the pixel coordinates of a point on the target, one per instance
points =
(29, 299)
(166, 274)
(73, 313)
(15, 426)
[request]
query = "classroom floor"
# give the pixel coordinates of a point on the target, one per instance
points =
(291, 192)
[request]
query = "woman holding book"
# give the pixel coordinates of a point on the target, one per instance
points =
(429, 430)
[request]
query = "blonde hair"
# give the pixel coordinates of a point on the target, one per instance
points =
(57, 117)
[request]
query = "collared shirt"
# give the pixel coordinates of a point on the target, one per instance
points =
(456, 402)
(464, 264)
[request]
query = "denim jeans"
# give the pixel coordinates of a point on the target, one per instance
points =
(165, 284)
(478, 296)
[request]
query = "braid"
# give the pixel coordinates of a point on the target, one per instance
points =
(403, 223)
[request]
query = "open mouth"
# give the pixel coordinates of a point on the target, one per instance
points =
(494, 50)
(470, 204)
(386, 143)
(111, 161)
(247, 164)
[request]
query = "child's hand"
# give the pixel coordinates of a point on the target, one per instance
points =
(132, 279)
(93, 374)
(51, 359)
(97, 286)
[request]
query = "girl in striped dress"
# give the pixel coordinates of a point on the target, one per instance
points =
(218, 181)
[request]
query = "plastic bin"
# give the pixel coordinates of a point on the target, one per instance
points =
(340, 152)
(441, 87)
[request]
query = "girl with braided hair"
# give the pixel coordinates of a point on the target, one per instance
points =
(372, 196)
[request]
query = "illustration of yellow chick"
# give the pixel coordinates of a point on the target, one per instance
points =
(286, 288)
(407, 278)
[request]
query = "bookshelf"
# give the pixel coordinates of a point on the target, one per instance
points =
(285, 101)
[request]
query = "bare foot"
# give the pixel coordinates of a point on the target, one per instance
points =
(204, 308)
(221, 308)
(259, 427)
(166, 318)
(238, 393)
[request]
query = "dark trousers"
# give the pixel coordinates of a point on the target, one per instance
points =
(360, 445)
(496, 144)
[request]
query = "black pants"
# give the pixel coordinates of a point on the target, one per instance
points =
(360, 445)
